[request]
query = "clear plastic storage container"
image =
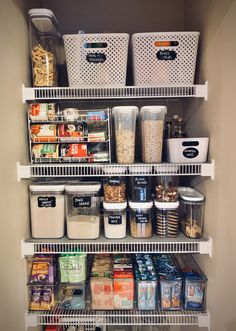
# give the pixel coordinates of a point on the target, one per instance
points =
(44, 43)
(167, 218)
(47, 210)
(166, 188)
(191, 212)
(152, 126)
(141, 219)
(115, 220)
(140, 189)
(82, 210)
(72, 296)
(125, 128)
(114, 190)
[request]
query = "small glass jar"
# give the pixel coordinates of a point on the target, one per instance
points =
(82, 210)
(114, 190)
(191, 212)
(140, 190)
(115, 220)
(166, 189)
(141, 219)
(167, 218)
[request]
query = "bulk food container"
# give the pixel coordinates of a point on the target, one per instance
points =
(141, 219)
(115, 220)
(44, 43)
(125, 128)
(166, 188)
(191, 212)
(167, 218)
(152, 127)
(82, 210)
(114, 189)
(47, 210)
(140, 188)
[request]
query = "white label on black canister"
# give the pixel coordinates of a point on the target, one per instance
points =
(190, 153)
(114, 181)
(140, 181)
(141, 218)
(114, 219)
(81, 202)
(46, 202)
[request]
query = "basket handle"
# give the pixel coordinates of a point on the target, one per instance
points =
(166, 43)
(190, 143)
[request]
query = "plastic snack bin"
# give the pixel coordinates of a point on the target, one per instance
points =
(141, 219)
(72, 296)
(115, 220)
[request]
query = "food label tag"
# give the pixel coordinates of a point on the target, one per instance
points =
(46, 202)
(81, 202)
(140, 181)
(190, 153)
(166, 55)
(96, 57)
(115, 219)
(141, 218)
(114, 181)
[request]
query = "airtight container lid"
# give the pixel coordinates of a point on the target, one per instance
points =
(125, 109)
(140, 205)
(153, 109)
(114, 206)
(190, 194)
(46, 188)
(166, 205)
(43, 19)
(83, 187)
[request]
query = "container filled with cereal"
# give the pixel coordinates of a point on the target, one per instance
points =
(114, 190)
(152, 127)
(115, 220)
(191, 212)
(141, 219)
(125, 128)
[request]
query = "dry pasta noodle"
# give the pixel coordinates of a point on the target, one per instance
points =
(44, 67)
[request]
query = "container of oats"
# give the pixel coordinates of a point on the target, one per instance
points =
(152, 127)
(192, 205)
(141, 219)
(125, 128)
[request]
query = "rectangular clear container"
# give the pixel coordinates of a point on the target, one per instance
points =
(115, 220)
(125, 129)
(114, 190)
(72, 296)
(152, 127)
(41, 297)
(167, 219)
(141, 219)
(166, 188)
(82, 210)
(140, 188)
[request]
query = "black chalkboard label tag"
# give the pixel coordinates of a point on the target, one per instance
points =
(81, 202)
(190, 152)
(46, 202)
(114, 181)
(115, 219)
(166, 55)
(141, 218)
(140, 181)
(96, 57)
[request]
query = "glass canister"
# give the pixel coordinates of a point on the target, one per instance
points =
(191, 212)
(167, 218)
(47, 210)
(114, 189)
(152, 127)
(115, 220)
(125, 128)
(141, 219)
(82, 210)
(166, 189)
(140, 189)
(44, 44)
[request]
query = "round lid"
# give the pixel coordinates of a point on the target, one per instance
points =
(140, 170)
(154, 109)
(114, 170)
(166, 205)
(141, 205)
(83, 187)
(125, 109)
(114, 206)
(190, 194)
(46, 188)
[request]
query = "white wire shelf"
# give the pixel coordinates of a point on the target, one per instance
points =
(100, 170)
(128, 92)
(119, 317)
(180, 244)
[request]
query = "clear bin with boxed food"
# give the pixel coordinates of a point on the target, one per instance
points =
(96, 60)
(72, 296)
(141, 219)
(115, 220)
(195, 282)
(164, 57)
(41, 297)
(187, 150)
(82, 210)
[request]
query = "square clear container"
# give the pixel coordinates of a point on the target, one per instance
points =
(115, 220)
(166, 188)
(152, 127)
(125, 129)
(140, 188)
(167, 219)
(114, 189)
(47, 210)
(82, 210)
(72, 296)
(141, 219)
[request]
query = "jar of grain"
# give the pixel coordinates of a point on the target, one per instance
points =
(152, 127)
(125, 128)
(114, 190)
(47, 210)
(141, 219)
(115, 220)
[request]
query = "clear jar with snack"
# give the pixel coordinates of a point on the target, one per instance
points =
(114, 189)
(166, 189)
(141, 219)
(44, 44)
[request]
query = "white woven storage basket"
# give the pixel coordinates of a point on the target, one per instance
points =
(164, 57)
(96, 60)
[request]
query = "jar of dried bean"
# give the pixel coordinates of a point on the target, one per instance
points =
(114, 189)
(141, 219)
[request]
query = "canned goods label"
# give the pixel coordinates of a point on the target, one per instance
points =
(46, 202)
(141, 218)
(81, 202)
(115, 219)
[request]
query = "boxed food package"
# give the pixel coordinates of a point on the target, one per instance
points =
(41, 297)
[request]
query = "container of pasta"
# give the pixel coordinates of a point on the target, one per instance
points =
(44, 43)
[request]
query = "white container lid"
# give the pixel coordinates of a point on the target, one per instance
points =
(125, 109)
(113, 170)
(43, 19)
(154, 109)
(114, 206)
(166, 205)
(190, 194)
(140, 170)
(140, 205)
(83, 187)
(46, 188)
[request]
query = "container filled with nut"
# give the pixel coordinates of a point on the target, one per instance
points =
(141, 219)
(166, 189)
(114, 189)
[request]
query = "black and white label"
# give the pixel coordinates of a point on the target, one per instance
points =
(96, 57)
(166, 55)
(190, 152)
(115, 219)
(81, 202)
(140, 181)
(142, 218)
(46, 202)
(114, 181)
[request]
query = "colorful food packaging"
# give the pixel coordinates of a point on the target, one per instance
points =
(47, 151)
(73, 150)
(42, 111)
(43, 133)
(72, 132)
